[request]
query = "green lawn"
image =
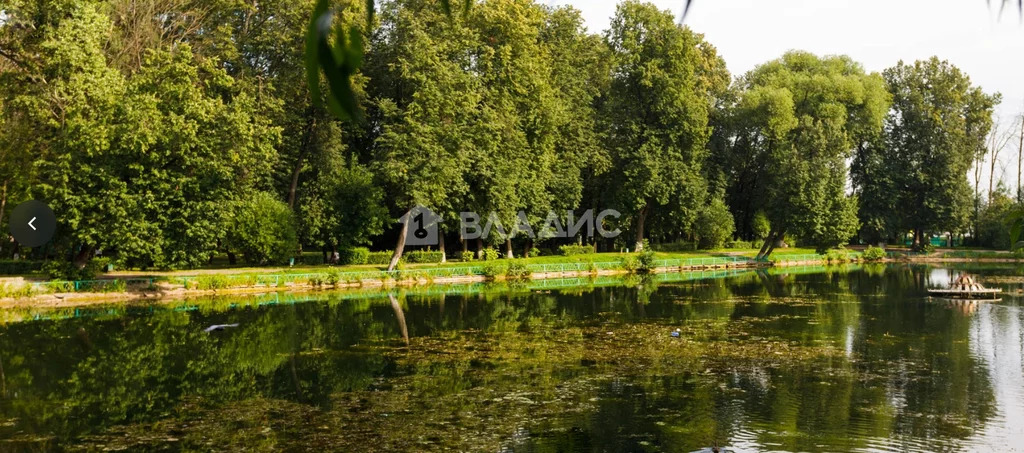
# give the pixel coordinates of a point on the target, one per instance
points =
(220, 265)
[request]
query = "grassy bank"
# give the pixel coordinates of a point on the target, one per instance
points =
(150, 284)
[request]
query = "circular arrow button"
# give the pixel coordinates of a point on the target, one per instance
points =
(33, 223)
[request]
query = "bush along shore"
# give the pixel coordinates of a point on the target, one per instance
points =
(156, 286)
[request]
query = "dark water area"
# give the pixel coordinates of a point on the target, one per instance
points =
(801, 359)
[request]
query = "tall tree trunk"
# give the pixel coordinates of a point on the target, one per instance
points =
(399, 247)
(440, 246)
(771, 247)
(763, 253)
(3, 206)
(479, 249)
(306, 145)
(1020, 156)
(992, 172)
(641, 218)
(774, 237)
(83, 256)
(508, 249)
(780, 236)
(977, 197)
(527, 247)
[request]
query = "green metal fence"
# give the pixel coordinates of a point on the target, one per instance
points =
(92, 285)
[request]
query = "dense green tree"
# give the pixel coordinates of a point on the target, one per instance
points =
(656, 115)
(424, 109)
(516, 158)
(994, 220)
(139, 120)
(714, 225)
(794, 125)
(139, 162)
(261, 228)
(917, 176)
(580, 74)
(344, 208)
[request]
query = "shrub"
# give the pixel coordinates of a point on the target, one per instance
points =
(873, 254)
(333, 278)
(114, 286)
(423, 256)
(742, 245)
(60, 286)
(836, 256)
(467, 256)
(317, 280)
(354, 255)
(646, 262)
(570, 250)
(714, 225)
(11, 267)
(66, 270)
(15, 291)
(630, 263)
(492, 269)
(534, 251)
(262, 229)
(211, 282)
(490, 254)
(517, 271)
(379, 257)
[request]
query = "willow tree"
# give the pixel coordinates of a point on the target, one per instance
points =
(656, 115)
(796, 122)
(937, 126)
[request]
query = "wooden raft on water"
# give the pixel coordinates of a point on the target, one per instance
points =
(966, 288)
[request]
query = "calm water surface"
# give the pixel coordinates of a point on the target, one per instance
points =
(803, 359)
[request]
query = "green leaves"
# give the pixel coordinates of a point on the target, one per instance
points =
(656, 115)
(336, 51)
(936, 127)
(796, 121)
(446, 7)
(261, 228)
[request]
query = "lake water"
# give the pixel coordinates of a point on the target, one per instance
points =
(799, 359)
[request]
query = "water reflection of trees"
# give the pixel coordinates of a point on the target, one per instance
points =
(909, 370)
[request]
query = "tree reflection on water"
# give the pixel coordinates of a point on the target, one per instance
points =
(814, 359)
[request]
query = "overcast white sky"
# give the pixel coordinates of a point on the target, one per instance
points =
(877, 33)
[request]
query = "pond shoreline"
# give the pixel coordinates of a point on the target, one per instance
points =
(163, 292)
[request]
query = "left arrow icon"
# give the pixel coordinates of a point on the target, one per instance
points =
(32, 224)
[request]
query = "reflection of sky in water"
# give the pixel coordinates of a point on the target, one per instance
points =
(941, 278)
(997, 340)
